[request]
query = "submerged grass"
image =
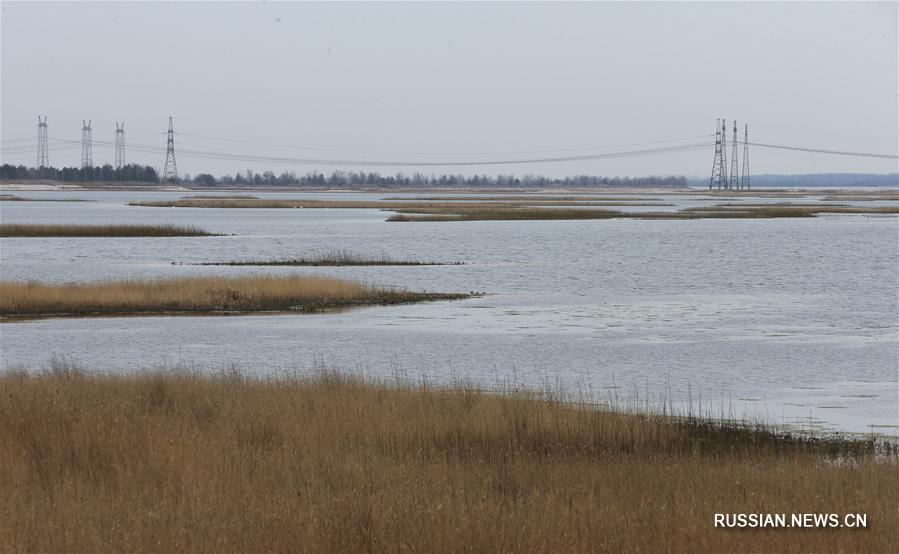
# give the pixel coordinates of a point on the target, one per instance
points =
(331, 258)
(198, 295)
(115, 230)
(165, 462)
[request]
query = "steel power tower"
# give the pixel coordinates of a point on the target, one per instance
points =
(43, 159)
(724, 153)
(170, 171)
(87, 156)
(119, 145)
(719, 165)
(745, 182)
(734, 176)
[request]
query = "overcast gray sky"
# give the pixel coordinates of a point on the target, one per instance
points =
(453, 81)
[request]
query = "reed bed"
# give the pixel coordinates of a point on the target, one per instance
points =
(198, 295)
(502, 214)
(331, 258)
(221, 196)
(177, 462)
(733, 211)
(113, 230)
(15, 198)
(536, 197)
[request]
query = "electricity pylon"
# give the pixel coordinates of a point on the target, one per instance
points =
(719, 165)
(87, 156)
(744, 184)
(734, 176)
(170, 171)
(43, 158)
(119, 145)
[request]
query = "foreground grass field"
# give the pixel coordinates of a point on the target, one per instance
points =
(204, 295)
(66, 230)
(181, 463)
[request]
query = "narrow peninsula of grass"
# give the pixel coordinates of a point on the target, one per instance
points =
(15, 198)
(178, 462)
(221, 196)
(734, 211)
(198, 295)
(334, 258)
(114, 230)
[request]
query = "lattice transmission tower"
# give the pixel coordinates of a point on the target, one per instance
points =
(744, 184)
(119, 145)
(43, 158)
(719, 165)
(170, 171)
(87, 156)
(734, 176)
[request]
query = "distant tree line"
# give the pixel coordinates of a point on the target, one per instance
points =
(337, 179)
(817, 180)
(362, 179)
(127, 173)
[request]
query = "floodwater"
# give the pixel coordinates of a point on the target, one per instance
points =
(790, 320)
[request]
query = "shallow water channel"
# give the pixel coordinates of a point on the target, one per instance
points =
(793, 321)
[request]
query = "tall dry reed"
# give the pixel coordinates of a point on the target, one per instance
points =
(175, 463)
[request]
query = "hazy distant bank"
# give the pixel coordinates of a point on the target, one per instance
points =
(816, 180)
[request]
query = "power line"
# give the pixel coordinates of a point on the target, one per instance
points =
(62, 144)
(408, 153)
(822, 151)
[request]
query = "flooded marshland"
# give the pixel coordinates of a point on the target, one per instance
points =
(791, 320)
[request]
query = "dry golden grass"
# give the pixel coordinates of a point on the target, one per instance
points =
(198, 295)
(180, 463)
(67, 230)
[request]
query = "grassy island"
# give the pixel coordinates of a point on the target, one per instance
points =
(199, 295)
(73, 230)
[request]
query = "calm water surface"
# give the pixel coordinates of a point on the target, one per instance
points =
(791, 320)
